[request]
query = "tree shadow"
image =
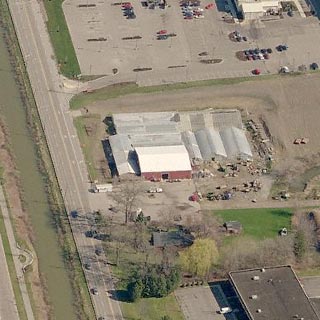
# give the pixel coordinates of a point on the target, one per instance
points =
(119, 295)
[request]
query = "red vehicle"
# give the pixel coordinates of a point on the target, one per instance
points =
(209, 6)
(256, 72)
(127, 5)
(162, 32)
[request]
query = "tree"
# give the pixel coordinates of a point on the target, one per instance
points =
(153, 283)
(127, 197)
(199, 258)
(135, 289)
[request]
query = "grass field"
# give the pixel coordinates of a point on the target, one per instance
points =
(61, 39)
(258, 223)
(87, 142)
(152, 309)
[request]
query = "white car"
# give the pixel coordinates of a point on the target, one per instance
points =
(155, 190)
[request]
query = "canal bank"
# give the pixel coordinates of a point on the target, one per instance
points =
(46, 215)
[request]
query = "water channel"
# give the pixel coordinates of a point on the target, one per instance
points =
(46, 245)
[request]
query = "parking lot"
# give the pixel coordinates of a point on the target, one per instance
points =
(98, 33)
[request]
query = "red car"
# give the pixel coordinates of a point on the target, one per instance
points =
(162, 32)
(256, 72)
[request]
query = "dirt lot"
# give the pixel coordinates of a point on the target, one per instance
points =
(288, 105)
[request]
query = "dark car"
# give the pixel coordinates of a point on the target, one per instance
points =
(256, 51)
(131, 16)
(98, 252)
(255, 57)
(269, 50)
(279, 48)
(263, 51)
(87, 266)
(94, 291)
(74, 214)
(244, 38)
(314, 66)
(251, 51)
(91, 233)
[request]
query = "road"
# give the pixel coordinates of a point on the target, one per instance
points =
(52, 99)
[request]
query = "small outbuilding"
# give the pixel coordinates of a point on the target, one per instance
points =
(233, 227)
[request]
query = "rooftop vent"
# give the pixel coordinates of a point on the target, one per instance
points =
(254, 297)
(259, 310)
(256, 278)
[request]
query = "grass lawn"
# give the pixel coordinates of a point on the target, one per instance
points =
(87, 142)
(61, 39)
(258, 223)
(152, 309)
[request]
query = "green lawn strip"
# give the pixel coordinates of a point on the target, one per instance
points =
(308, 272)
(13, 275)
(258, 223)
(61, 39)
(86, 144)
(152, 309)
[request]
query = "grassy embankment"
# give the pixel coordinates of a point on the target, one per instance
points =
(88, 142)
(61, 39)
(82, 299)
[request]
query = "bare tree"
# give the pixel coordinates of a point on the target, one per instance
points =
(126, 197)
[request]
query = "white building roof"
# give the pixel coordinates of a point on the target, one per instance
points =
(163, 158)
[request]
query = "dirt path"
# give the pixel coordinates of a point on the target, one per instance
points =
(21, 223)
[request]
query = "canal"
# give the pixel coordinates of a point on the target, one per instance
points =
(47, 247)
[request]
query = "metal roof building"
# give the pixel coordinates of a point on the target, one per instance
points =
(272, 293)
(210, 144)
(191, 144)
(236, 144)
(123, 154)
(164, 162)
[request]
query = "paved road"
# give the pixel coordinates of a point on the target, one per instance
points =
(52, 100)
(15, 251)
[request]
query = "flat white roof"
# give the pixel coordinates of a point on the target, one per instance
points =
(163, 159)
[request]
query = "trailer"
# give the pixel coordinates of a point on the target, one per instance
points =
(106, 187)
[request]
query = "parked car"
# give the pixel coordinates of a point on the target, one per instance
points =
(256, 72)
(314, 66)
(98, 252)
(256, 51)
(74, 214)
(246, 52)
(87, 266)
(263, 51)
(244, 38)
(269, 50)
(266, 56)
(94, 291)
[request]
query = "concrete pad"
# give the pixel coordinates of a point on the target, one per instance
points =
(198, 303)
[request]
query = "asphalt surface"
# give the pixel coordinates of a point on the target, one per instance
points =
(52, 100)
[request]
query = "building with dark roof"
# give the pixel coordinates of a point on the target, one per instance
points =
(272, 294)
